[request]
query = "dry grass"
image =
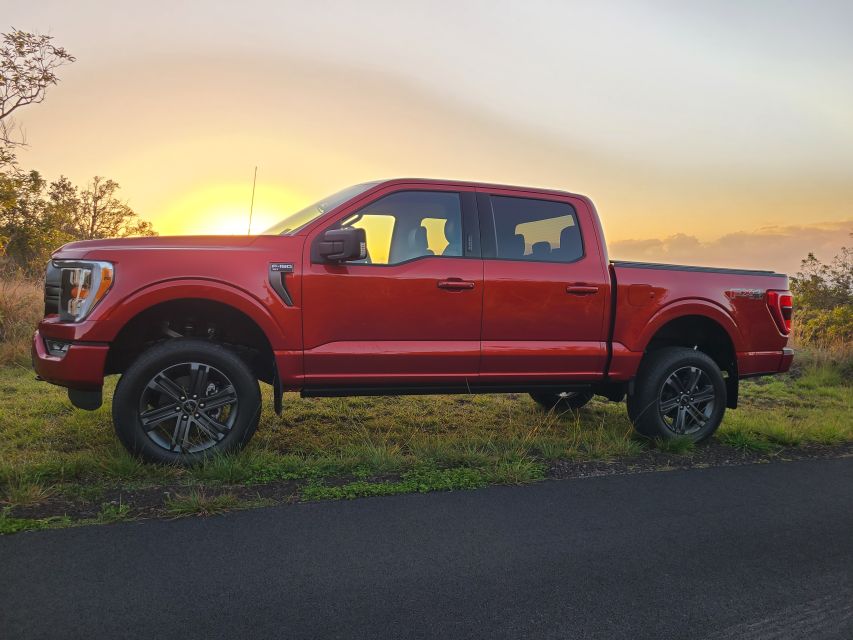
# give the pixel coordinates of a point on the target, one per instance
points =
(21, 306)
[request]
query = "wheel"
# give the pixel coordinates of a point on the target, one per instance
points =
(678, 393)
(186, 399)
(562, 401)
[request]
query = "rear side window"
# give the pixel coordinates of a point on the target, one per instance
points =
(538, 230)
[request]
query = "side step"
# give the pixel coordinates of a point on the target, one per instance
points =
(337, 392)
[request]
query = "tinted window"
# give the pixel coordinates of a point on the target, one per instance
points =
(410, 224)
(528, 229)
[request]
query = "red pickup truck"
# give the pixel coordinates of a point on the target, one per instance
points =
(398, 287)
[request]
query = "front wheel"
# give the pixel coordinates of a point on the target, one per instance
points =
(186, 399)
(679, 393)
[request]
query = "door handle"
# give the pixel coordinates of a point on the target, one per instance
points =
(581, 289)
(455, 284)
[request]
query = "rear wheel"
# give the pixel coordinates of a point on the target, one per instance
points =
(568, 400)
(679, 393)
(186, 399)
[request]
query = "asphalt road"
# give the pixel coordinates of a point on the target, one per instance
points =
(762, 551)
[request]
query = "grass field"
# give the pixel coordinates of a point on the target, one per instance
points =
(61, 466)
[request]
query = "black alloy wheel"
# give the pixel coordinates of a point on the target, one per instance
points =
(678, 393)
(188, 407)
(686, 400)
(184, 400)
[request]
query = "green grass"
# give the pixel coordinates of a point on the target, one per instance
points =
(681, 446)
(197, 502)
(9, 524)
(352, 447)
(417, 480)
(113, 512)
(745, 440)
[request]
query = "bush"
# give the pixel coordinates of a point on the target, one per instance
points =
(823, 303)
(21, 306)
(824, 327)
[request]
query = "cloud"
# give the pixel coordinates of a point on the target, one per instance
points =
(778, 247)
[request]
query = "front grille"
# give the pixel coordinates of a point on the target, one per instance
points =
(52, 286)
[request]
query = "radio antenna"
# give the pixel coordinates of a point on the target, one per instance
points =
(252, 203)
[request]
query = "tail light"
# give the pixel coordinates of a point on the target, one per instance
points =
(781, 305)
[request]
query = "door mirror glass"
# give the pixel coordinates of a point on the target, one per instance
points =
(341, 245)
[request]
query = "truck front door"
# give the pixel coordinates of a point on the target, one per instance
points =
(410, 312)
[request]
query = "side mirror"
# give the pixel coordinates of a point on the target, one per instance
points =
(340, 245)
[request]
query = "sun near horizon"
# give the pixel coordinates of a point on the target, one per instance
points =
(224, 209)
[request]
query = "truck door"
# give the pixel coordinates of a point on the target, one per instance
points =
(410, 312)
(546, 288)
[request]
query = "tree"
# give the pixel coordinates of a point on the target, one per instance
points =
(30, 229)
(28, 64)
(98, 213)
(821, 286)
(36, 217)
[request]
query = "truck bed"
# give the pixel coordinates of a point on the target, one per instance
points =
(649, 295)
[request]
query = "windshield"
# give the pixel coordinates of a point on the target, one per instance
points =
(296, 221)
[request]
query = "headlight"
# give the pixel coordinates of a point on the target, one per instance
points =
(82, 285)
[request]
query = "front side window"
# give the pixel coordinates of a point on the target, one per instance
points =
(539, 230)
(407, 225)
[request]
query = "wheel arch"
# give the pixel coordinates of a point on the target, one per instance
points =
(691, 308)
(194, 309)
(702, 327)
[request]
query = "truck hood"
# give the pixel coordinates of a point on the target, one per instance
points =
(83, 248)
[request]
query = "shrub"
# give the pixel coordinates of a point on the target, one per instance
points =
(823, 304)
(21, 306)
(824, 327)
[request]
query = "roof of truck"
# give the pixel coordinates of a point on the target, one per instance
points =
(476, 185)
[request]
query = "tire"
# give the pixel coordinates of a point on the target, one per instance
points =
(567, 401)
(214, 396)
(678, 393)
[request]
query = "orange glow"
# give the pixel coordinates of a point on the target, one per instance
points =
(224, 209)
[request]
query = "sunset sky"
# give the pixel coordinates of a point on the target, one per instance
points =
(707, 132)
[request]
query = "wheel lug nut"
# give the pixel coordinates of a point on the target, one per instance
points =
(196, 415)
(201, 405)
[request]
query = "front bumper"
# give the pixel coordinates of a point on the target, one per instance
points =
(81, 367)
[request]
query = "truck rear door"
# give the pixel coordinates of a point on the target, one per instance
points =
(546, 288)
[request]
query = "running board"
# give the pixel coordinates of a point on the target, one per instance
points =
(337, 392)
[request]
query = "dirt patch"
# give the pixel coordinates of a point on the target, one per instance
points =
(151, 502)
(708, 455)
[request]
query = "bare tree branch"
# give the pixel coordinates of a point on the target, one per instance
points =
(28, 64)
